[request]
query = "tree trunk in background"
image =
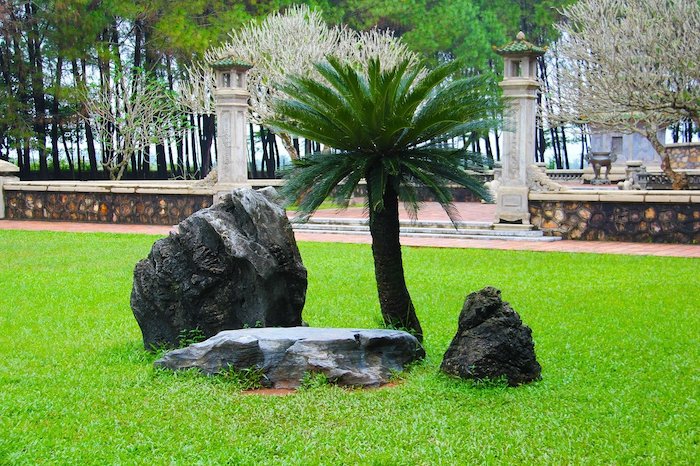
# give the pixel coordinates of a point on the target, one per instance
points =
(161, 162)
(208, 132)
(171, 160)
(105, 89)
(584, 146)
(36, 66)
(676, 132)
(78, 155)
(688, 130)
(20, 160)
(277, 153)
(540, 143)
(69, 157)
(193, 145)
(55, 121)
(489, 151)
(555, 146)
(151, 62)
(179, 167)
(295, 142)
(394, 300)
(26, 155)
(89, 137)
(265, 155)
(564, 149)
(497, 145)
(143, 165)
(7, 78)
(254, 162)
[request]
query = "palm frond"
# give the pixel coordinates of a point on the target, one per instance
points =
(387, 125)
(313, 179)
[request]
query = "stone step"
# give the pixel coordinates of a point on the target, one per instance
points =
(426, 229)
(490, 235)
(446, 224)
(355, 228)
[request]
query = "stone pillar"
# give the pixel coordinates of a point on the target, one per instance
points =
(7, 172)
(520, 88)
(231, 98)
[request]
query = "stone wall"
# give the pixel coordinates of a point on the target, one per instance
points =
(644, 216)
(90, 203)
(684, 156)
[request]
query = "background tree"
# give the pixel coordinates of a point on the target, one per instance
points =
(146, 114)
(386, 126)
(50, 50)
(291, 42)
(631, 66)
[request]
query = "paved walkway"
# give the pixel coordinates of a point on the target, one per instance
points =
(468, 211)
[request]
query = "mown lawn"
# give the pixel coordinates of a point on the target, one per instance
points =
(618, 339)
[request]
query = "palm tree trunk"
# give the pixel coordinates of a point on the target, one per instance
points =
(394, 300)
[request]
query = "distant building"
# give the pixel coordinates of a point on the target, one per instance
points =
(627, 146)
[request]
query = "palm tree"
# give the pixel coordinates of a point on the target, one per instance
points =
(390, 128)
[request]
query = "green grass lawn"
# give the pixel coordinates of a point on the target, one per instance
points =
(617, 338)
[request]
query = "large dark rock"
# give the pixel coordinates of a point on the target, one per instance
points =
(232, 265)
(346, 356)
(491, 342)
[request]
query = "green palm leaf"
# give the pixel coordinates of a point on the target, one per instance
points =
(386, 126)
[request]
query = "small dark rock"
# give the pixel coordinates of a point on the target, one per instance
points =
(349, 357)
(491, 342)
(233, 265)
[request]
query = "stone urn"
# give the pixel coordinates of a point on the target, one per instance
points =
(599, 160)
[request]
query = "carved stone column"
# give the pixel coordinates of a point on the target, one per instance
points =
(231, 99)
(520, 86)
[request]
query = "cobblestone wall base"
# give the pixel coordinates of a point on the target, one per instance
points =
(618, 221)
(138, 208)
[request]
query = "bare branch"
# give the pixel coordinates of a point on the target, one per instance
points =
(141, 113)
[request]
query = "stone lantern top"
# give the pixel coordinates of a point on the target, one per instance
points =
(519, 60)
(520, 47)
(230, 74)
(229, 63)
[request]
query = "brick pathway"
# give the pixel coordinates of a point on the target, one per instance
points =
(468, 211)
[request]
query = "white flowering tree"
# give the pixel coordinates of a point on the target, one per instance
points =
(127, 119)
(630, 66)
(290, 43)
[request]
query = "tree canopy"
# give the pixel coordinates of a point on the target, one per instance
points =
(631, 66)
(51, 50)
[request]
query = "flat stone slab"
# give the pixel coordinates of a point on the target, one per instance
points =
(348, 357)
